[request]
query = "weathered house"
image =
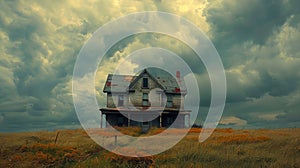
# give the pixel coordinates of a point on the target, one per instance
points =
(148, 99)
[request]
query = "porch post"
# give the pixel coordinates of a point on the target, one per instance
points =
(128, 122)
(105, 121)
(189, 120)
(101, 120)
(160, 120)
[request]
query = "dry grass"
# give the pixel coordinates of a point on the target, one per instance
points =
(225, 148)
(241, 139)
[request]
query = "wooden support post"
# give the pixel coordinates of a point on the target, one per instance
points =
(189, 120)
(160, 120)
(101, 120)
(128, 122)
(105, 121)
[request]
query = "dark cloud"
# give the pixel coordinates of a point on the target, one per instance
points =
(258, 44)
(38, 58)
(236, 21)
(257, 40)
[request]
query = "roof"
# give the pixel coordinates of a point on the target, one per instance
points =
(145, 71)
(137, 110)
(122, 83)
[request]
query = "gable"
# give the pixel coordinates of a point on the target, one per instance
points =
(139, 80)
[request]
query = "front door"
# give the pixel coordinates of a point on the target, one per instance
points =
(145, 127)
(120, 121)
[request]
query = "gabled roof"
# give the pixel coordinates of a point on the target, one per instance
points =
(141, 75)
(171, 86)
(122, 83)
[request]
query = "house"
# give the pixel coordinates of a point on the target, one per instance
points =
(153, 98)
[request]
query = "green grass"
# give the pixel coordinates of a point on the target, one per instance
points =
(225, 148)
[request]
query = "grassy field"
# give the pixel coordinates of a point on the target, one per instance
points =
(225, 148)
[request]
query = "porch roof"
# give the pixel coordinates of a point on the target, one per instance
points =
(146, 111)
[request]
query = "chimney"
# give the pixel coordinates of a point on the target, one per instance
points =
(177, 89)
(178, 76)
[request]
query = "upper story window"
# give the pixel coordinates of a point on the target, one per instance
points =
(169, 101)
(145, 82)
(145, 99)
(121, 100)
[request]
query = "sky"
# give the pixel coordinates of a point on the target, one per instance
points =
(258, 42)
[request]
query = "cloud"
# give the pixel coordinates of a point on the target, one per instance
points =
(40, 40)
(233, 121)
(39, 45)
(268, 117)
(257, 42)
(235, 21)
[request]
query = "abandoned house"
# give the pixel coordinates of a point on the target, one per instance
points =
(129, 98)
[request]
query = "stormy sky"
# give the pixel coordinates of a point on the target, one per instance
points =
(258, 42)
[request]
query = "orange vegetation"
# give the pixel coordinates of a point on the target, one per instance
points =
(119, 160)
(241, 138)
(48, 153)
(195, 130)
(224, 130)
(224, 148)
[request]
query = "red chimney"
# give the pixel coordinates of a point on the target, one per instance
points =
(178, 75)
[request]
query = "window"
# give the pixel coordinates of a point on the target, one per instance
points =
(145, 99)
(145, 82)
(169, 101)
(121, 100)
